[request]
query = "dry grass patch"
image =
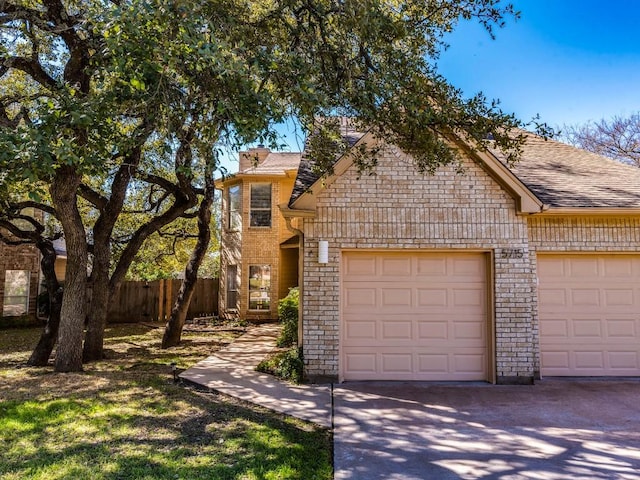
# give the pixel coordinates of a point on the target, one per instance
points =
(124, 418)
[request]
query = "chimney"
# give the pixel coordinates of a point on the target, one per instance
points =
(253, 157)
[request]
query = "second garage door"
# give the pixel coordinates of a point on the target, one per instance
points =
(414, 316)
(589, 315)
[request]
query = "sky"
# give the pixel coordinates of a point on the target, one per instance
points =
(569, 61)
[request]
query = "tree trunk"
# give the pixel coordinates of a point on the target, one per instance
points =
(101, 292)
(93, 349)
(49, 336)
(173, 330)
(73, 310)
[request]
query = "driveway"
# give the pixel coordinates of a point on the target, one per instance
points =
(554, 430)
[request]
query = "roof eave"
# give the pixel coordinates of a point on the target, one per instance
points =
(288, 212)
(591, 211)
(527, 203)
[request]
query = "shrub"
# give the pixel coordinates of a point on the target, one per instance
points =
(288, 315)
(288, 365)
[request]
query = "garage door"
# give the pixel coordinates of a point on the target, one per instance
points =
(589, 315)
(414, 316)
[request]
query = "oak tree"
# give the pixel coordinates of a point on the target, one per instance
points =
(98, 97)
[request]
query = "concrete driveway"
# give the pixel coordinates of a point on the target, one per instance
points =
(554, 430)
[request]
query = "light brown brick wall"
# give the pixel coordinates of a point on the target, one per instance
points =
(255, 246)
(23, 257)
(579, 234)
(399, 208)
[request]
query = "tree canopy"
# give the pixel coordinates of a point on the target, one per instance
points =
(617, 138)
(105, 101)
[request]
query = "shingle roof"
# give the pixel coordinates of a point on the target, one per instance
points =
(558, 174)
(564, 176)
(276, 163)
(307, 176)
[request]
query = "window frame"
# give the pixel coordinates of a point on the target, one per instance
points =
(231, 288)
(263, 287)
(234, 208)
(260, 209)
(25, 304)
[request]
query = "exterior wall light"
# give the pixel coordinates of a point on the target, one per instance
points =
(323, 251)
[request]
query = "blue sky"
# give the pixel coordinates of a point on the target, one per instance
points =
(570, 61)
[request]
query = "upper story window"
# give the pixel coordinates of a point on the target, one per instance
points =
(260, 215)
(234, 207)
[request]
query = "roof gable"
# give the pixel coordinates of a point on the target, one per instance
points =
(308, 183)
(550, 177)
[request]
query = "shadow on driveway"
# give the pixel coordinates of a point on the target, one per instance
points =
(554, 430)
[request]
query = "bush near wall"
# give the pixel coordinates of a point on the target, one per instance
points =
(288, 315)
(287, 364)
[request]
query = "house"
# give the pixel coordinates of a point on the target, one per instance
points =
(495, 274)
(19, 279)
(259, 251)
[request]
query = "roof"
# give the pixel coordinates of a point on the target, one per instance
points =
(563, 176)
(307, 175)
(276, 163)
(559, 175)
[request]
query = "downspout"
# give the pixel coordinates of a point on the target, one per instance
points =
(300, 235)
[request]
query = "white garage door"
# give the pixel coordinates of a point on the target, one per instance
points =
(414, 316)
(589, 315)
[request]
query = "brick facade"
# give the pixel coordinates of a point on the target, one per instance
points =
(22, 257)
(256, 246)
(399, 209)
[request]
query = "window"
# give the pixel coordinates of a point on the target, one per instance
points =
(234, 196)
(16, 293)
(260, 205)
(232, 287)
(259, 287)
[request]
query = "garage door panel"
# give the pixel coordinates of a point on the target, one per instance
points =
(433, 363)
(437, 330)
(557, 328)
(430, 297)
(361, 363)
(622, 329)
(626, 361)
(395, 267)
(473, 267)
(360, 330)
(618, 268)
(580, 267)
(431, 267)
(553, 296)
(589, 359)
(396, 297)
(469, 331)
(618, 297)
(469, 297)
(420, 316)
(396, 363)
(355, 298)
(583, 328)
(397, 330)
(596, 332)
(587, 297)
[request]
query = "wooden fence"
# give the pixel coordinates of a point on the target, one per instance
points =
(152, 301)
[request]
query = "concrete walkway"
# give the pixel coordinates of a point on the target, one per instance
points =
(231, 371)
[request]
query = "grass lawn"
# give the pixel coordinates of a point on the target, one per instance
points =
(124, 418)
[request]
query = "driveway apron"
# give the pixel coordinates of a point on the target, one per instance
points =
(554, 430)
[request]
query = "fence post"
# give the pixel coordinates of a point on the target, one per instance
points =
(160, 300)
